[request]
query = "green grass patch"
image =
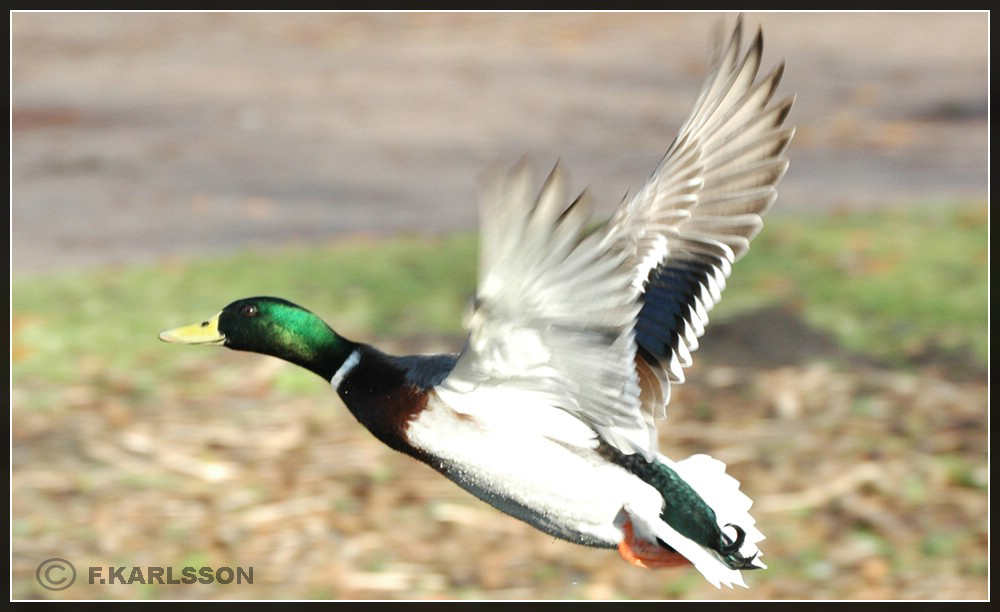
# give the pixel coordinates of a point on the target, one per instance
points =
(107, 320)
(894, 284)
(887, 284)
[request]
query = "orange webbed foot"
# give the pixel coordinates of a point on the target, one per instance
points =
(646, 554)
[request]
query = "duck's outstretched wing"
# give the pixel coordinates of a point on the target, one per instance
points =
(553, 313)
(599, 324)
(697, 213)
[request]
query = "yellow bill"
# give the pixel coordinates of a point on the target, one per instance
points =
(206, 332)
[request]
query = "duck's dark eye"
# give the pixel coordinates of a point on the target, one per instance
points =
(249, 310)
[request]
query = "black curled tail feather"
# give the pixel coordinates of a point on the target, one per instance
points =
(729, 550)
(730, 546)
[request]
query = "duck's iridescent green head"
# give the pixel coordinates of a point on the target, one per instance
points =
(271, 326)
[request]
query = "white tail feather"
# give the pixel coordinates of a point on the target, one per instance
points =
(708, 477)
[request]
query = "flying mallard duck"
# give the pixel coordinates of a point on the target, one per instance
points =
(575, 337)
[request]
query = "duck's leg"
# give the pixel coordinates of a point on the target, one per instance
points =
(642, 553)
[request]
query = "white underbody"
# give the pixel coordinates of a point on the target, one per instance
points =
(539, 457)
(538, 462)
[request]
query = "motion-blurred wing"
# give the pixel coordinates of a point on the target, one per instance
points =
(553, 314)
(699, 210)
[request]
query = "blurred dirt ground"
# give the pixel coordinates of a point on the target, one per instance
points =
(143, 136)
(137, 136)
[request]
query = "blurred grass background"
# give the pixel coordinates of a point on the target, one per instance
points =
(867, 460)
(892, 285)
